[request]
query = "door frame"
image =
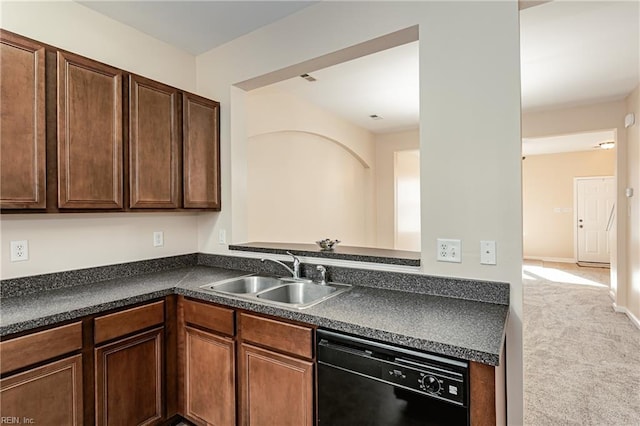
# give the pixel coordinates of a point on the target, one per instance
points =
(575, 213)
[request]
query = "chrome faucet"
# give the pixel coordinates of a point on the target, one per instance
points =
(295, 272)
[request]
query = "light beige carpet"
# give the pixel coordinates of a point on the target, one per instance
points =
(581, 359)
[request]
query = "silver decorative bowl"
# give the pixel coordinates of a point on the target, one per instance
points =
(327, 244)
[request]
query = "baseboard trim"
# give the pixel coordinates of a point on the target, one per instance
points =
(551, 259)
(612, 295)
(623, 310)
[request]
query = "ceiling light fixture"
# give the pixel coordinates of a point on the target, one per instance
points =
(607, 145)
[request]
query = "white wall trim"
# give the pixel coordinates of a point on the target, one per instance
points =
(634, 320)
(551, 259)
(612, 295)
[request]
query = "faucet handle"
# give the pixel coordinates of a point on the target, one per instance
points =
(296, 265)
(323, 274)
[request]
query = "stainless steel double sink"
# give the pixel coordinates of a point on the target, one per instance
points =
(290, 292)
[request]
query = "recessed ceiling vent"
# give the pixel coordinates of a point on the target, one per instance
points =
(375, 117)
(308, 78)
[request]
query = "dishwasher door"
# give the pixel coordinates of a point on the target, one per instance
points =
(363, 383)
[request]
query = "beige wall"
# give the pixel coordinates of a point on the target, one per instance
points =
(470, 127)
(633, 208)
(547, 199)
(309, 173)
(386, 145)
(70, 241)
(600, 116)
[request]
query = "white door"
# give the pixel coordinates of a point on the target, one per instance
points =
(595, 201)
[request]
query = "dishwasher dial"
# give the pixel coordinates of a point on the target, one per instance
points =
(429, 384)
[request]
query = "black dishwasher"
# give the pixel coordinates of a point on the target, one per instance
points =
(367, 383)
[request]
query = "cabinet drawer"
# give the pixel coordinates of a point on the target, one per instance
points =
(214, 318)
(120, 323)
(294, 339)
(33, 348)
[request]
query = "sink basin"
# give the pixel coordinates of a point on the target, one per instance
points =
(252, 284)
(295, 293)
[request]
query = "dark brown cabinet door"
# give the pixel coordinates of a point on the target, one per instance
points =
(46, 395)
(22, 123)
(201, 152)
(154, 144)
(89, 134)
(209, 389)
(129, 380)
(275, 389)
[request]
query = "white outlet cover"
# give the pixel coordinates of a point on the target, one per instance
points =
(19, 251)
(449, 250)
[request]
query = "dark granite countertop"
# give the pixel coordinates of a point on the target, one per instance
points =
(455, 327)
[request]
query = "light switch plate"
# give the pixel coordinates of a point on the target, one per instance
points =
(158, 239)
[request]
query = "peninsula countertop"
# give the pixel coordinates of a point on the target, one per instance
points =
(460, 328)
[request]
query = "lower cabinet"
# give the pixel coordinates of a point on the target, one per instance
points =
(129, 380)
(42, 381)
(274, 375)
(209, 393)
(275, 372)
(207, 363)
(276, 389)
(46, 395)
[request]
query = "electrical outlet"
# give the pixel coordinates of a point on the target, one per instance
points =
(158, 239)
(222, 237)
(488, 252)
(19, 251)
(449, 250)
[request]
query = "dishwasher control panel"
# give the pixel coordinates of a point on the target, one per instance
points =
(433, 381)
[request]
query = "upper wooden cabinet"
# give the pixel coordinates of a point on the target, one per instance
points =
(22, 123)
(154, 144)
(201, 162)
(79, 135)
(89, 134)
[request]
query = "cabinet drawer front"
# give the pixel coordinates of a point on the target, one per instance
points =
(125, 322)
(30, 349)
(214, 318)
(50, 394)
(286, 337)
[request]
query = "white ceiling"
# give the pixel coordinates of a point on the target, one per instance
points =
(588, 141)
(572, 53)
(196, 26)
(579, 52)
(385, 84)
